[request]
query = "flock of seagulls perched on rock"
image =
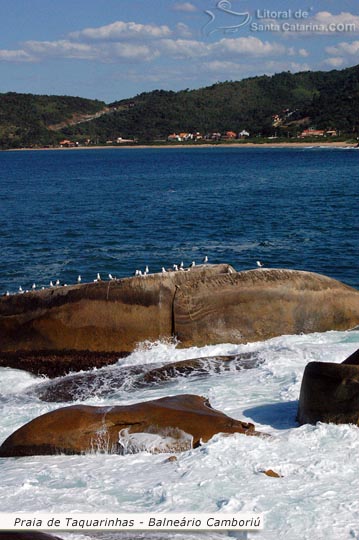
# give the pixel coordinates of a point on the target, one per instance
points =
(175, 268)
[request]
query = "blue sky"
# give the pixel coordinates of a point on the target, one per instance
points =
(113, 49)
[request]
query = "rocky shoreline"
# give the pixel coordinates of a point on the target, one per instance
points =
(44, 332)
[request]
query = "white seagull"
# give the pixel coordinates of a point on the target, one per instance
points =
(205, 260)
(146, 270)
(192, 265)
(259, 264)
(175, 267)
(33, 286)
(98, 277)
(51, 284)
(57, 283)
(21, 290)
(164, 271)
(110, 276)
(78, 279)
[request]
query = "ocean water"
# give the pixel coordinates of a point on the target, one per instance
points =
(65, 213)
(83, 212)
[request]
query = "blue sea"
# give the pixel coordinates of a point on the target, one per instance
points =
(65, 213)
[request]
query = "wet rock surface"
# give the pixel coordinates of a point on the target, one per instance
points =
(104, 382)
(82, 429)
(330, 392)
(57, 363)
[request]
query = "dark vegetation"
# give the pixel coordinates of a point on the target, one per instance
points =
(323, 100)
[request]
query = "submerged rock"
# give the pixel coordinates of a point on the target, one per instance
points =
(330, 392)
(207, 305)
(81, 429)
(104, 382)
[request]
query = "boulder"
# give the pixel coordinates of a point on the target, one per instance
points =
(208, 304)
(169, 424)
(104, 382)
(330, 392)
(261, 304)
(103, 316)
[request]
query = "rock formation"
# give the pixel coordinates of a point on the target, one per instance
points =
(208, 304)
(330, 392)
(173, 423)
(104, 382)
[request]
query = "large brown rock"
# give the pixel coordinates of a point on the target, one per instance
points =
(206, 305)
(79, 429)
(261, 304)
(330, 393)
(105, 316)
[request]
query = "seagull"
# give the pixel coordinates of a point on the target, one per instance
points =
(98, 277)
(181, 265)
(21, 290)
(259, 264)
(78, 279)
(146, 270)
(7, 293)
(164, 271)
(137, 273)
(51, 284)
(33, 286)
(205, 260)
(192, 265)
(175, 267)
(110, 277)
(57, 283)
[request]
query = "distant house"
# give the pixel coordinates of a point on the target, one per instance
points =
(66, 143)
(230, 135)
(243, 134)
(174, 137)
(312, 133)
(186, 136)
(332, 133)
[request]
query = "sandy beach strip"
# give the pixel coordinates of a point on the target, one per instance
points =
(304, 144)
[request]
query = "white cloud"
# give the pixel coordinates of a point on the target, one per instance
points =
(183, 30)
(103, 52)
(185, 6)
(303, 52)
(62, 48)
(121, 30)
(344, 48)
(250, 46)
(334, 62)
(184, 48)
(16, 56)
(222, 67)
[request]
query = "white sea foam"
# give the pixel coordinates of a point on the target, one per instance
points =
(316, 498)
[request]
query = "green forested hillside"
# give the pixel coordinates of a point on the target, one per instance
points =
(323, 100)
(25, 118)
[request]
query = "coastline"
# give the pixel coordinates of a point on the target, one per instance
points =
(304, 144)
